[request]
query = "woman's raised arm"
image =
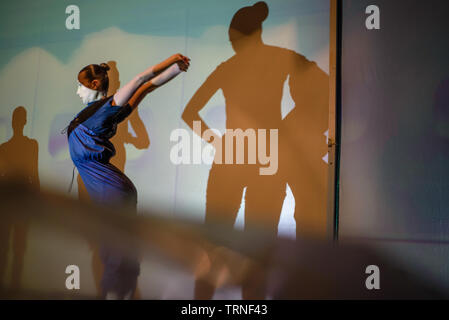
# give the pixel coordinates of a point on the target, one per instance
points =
(158, 81)
(123, 95)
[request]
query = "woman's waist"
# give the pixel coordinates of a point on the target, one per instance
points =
(103, 172)
(92, 152)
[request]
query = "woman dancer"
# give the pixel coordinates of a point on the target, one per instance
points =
(90, 149)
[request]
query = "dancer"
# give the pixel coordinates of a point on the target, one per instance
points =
(91, 150)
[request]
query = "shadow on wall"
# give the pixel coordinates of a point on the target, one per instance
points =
(19, 163)
(122, 137)
(252, 82)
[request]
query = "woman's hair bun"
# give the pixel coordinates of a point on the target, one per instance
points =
(261, 9)
(105, 66)
(249, 19)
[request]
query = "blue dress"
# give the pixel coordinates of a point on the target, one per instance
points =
(91, 150)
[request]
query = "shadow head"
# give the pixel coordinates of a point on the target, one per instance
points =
(245, 29)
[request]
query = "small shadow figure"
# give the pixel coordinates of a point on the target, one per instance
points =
(18, 163)
(252, 82)
(122, 137)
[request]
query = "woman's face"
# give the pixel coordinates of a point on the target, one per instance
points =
(87, 95)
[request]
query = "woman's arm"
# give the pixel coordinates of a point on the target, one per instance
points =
(156, 82)
(122, 96)
(197, 102)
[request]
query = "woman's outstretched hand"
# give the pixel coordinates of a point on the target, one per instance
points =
(182, 61)
(183, 66)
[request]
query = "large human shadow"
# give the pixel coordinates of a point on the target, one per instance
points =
(123, 136)
(252, 83)
(303, 147)
(18, 164)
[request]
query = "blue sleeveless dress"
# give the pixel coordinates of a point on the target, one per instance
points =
(91, 150)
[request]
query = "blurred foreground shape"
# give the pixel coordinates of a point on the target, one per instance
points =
(302, 269)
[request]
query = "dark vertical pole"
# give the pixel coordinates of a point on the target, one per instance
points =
(338, 116)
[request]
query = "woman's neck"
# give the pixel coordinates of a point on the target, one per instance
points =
(98, 97)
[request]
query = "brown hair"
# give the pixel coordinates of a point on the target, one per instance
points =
(95, 72)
